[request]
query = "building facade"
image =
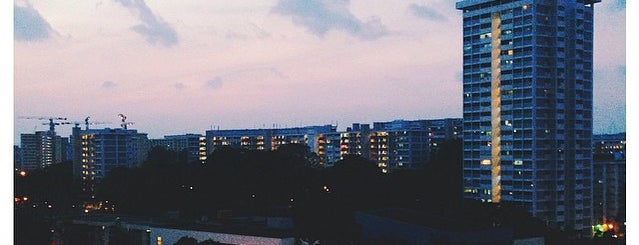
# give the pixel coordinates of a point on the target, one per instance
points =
(98, 151)
(265, 139)
(527, 106)
(328, 148)
(356, 141)
(609, 191)
(17, 157)
(193, 144)
(610, 146)
(404, 144)
(42, 149)
(609, 178)
(398, 144)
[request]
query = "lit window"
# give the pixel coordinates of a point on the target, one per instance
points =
(485, 162)
(525, 7)
(511, 52)
(518, 162)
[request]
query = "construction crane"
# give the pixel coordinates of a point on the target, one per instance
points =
(53, 121)
(87, 123)
(124, 123)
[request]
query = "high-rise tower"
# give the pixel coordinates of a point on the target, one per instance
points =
(527, 103)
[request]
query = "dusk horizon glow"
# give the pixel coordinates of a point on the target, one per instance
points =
(191, 66)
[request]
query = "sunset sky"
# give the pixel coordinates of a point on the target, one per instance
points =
(176, 67)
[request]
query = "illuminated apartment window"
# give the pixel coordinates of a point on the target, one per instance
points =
(159, 239)
(485, 35)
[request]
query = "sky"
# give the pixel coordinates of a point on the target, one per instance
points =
(176, 67)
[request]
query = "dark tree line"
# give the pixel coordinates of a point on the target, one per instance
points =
(40, 197)
(287, 181)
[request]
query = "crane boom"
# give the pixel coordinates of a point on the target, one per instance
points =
(53, 120)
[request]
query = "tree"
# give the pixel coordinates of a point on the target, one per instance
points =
(186, 240)
(161, 156)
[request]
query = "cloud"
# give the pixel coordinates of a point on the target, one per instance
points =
(319, 17)
(425, 12)
(153, 28)
(214, 83)
(179, 86)
(29, 25)
(109, 84)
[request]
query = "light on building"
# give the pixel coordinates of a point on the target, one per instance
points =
(485, 162)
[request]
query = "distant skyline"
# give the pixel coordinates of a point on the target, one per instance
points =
(189, 66)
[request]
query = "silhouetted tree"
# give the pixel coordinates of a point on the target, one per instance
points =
(54, 184)
(186, 240)
(159, 155)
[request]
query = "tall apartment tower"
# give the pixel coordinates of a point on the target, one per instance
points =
(527, 104)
